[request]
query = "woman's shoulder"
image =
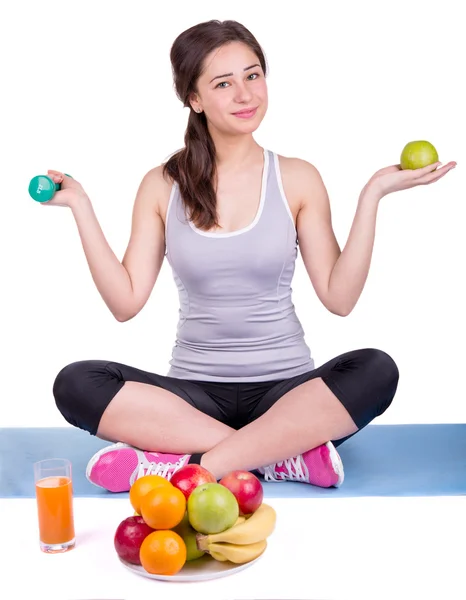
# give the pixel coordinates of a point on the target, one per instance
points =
(159, 177)
(298, 175)
(161, 185)
(296, 167)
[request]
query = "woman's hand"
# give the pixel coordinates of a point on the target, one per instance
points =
(394, 178)
(71, 191)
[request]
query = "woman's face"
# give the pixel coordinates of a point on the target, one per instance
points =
(232, 81)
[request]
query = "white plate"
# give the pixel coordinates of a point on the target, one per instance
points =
(200, 569)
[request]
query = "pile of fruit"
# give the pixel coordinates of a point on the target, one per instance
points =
(191, 516)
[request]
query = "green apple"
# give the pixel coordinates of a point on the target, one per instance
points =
(418, 154)
(212, 508)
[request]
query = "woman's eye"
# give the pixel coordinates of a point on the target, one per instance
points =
(222, 84)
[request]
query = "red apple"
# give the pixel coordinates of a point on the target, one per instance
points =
(189, 477)
(129, 536)
(246, 488)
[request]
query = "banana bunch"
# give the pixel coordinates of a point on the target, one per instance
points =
(237, 553)
(243, 542)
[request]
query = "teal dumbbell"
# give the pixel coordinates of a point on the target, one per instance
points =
(42, 188)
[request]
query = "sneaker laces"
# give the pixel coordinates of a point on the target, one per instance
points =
(164, 469)
(296, 470)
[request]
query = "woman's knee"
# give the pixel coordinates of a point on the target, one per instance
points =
(385, 366)
(75, 389)
(383, 372)
(66, 390)
(365, 380)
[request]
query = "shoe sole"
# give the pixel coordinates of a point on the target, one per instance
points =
(96, 457)
(337, 464)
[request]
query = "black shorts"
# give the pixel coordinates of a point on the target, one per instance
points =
(364, 381)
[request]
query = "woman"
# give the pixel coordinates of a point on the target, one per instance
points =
(242, 391)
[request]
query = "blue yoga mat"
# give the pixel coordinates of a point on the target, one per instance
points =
(381, 460)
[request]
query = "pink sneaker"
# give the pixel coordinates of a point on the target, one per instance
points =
(117, 467)
(320, 466)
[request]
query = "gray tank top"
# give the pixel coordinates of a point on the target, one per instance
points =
(237, 321)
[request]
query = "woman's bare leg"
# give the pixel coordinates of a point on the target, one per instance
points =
(154, 419)
(304, 418)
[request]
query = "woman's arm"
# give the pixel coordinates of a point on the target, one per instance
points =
(339, 276)
(126, 286)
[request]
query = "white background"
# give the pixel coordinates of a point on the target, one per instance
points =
(89, 91)
(388, 548)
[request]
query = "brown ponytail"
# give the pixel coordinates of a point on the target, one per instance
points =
(194, 166)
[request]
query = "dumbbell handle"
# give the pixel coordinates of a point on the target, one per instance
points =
(42, 188)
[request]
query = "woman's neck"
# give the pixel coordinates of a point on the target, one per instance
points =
(235, 153)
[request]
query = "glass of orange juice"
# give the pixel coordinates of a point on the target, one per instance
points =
(54, 494)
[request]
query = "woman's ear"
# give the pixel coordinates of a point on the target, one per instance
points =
(194, 102)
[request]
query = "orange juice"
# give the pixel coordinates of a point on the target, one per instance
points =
(55, 507)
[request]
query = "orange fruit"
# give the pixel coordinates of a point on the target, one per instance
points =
(143, 485)
(163, 553)
(163, 507)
